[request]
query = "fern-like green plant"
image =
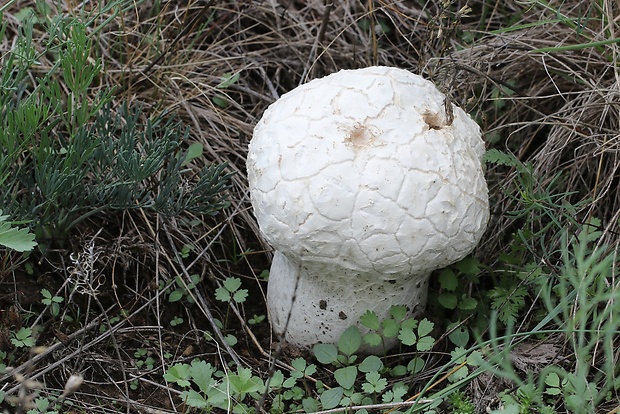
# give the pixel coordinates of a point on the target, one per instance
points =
(66, 156)
(508, 301)
(118, 163)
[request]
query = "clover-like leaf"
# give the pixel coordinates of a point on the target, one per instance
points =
(310, 405)
(20, 240)
(398, 312)
(232, 283)
(222, 294)
(415, 365)
(240, 296)
(325, 353)
(175, 296)
(552, 380)
(371, 363)
(425, 327)
(425, 344)
(193, 151)
(331, 398)
(350, 341)
(345, 377)
(448, 280)
(459, 335)
(447, 300)
(194, 399)
(370, 320)
(407, 337)
(202, 374)
(372, 339)
(374, 383)
(302, 368)
(390, 328)
(243, 381)
(467, 303)
(179, 374)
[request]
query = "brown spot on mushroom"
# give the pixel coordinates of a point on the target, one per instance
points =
(360, 136)
(323, 304)
(342, 315)
(433, 120)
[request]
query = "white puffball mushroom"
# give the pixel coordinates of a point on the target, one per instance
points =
(363, 187)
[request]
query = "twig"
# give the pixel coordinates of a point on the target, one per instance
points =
(392, 405)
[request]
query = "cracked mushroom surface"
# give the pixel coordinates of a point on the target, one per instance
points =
(363, 186)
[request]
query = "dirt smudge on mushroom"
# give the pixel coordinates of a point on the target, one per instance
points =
(360, 136)
(433, 120)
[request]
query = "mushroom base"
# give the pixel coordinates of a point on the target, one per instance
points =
(316, 305)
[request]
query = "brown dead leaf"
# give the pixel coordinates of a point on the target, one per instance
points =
(529, 356)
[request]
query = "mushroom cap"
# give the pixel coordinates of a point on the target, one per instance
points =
(361, 170)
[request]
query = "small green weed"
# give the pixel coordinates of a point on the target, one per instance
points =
(221, 99)
(42, 406)
(508, 301)
(408, 330)
(52, 301)
(256, 319)
(182, 290)
(81, 156)
(206, 388)
(231, 292)
(344, 356)
(23, 338)
(186, 248)
(580, 305)
(356, 379)
(113, 320)
(454, 299)
(459, 403)
(144, 358)
(176, 321)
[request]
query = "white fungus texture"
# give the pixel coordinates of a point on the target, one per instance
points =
(363, 186)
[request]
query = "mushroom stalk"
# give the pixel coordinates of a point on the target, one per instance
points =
(307, 309)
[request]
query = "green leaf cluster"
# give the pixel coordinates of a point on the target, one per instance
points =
(455, 300)
(22, 338)
(231, 291)
(206, 388)
(183, 289)
(374, 387)
(409, 331)
(52, 301)
(67, 154)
